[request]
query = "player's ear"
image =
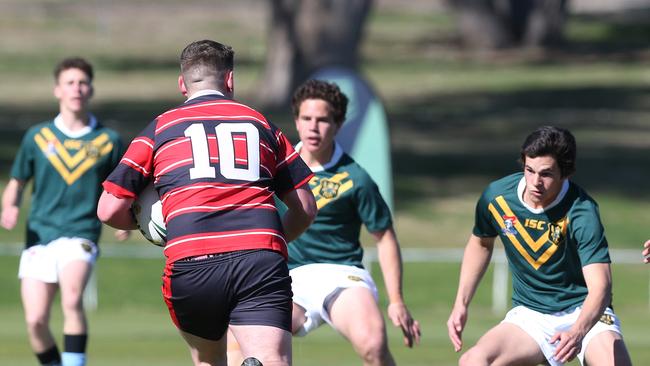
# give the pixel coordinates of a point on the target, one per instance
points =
(229, 82)
(181, 85)
(56, 91)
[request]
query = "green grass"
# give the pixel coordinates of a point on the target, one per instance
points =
(456, 121)
(131, 325)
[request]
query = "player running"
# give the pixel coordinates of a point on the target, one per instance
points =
(217, 165)
(67, 159)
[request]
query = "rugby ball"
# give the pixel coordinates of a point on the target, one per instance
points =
(147, 212)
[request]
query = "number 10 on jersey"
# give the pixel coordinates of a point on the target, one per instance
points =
(230, 166)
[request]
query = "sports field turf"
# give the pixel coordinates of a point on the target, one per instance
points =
(131, 325)
(456, 122)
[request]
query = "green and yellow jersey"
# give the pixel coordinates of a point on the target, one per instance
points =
(67, 169)
(546, 248)
(346, 197)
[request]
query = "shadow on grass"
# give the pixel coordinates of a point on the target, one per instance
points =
(458, 141)
(475, 137)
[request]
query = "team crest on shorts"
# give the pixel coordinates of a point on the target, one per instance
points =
(86, 246)
(329, 189)
(354, 278)
(607, 319)
(509, 225)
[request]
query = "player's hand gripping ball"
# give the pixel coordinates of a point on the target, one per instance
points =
(147, 211)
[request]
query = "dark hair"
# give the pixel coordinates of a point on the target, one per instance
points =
(552, 141)
(319, 89)
(73, 63)
(211, 58)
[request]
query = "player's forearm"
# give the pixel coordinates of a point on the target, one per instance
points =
(13, 193)
(115, 212)
(295, 222)
(301, 212)
(390, 261)
(598, 298)
(476, 259)
(592, 309)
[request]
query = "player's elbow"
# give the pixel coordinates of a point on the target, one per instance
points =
(311, 210)
(113, 211)
(104, 215)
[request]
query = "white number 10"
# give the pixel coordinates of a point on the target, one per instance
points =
(225, 133)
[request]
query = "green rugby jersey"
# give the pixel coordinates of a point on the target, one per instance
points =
(67, 169)
(346, 197)
(546, 248)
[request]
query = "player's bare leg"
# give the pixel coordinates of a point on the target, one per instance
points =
(505, 344)
(607, 348)
(235, 357)
(356, 315)
(206, 352)
(37, 297)
(72, 281)
(298, 318)
(270, 345)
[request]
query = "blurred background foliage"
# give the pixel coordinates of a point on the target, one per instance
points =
(458, 108)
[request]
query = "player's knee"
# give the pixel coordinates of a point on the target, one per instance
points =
(607, 348)
(36, 324)
(373, 348)
(473, 357)
(72, 305)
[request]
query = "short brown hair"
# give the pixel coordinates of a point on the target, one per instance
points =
(319, 89)
(212, 58)
(73, 63)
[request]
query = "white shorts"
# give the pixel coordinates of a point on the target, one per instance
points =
(44, 262)
(542, 327)
(315, 285)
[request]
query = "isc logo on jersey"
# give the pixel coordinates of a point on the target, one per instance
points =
(147, 212)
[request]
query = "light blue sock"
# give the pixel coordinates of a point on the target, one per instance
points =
(73, 359)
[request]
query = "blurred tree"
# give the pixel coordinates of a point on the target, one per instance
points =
(492, 24)
(305, 35)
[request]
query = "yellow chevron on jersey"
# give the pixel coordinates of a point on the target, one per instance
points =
(326, 190)
(72, 166)
(512, 228)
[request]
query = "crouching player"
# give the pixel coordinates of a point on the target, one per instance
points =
(558, 254)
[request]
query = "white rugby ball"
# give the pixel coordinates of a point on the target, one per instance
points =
(147, 211)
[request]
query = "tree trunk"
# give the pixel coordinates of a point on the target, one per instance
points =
(305, 35)
(492, 24)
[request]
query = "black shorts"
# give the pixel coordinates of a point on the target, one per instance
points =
(250, 287)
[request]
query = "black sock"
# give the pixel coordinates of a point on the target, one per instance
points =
(75, 343)
(51, 356)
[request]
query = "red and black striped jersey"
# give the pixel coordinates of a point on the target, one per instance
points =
(216, 165)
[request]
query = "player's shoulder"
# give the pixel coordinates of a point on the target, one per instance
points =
(347, 164)
(502, 186)
(112, 134)
(36, 128)
(579, 200)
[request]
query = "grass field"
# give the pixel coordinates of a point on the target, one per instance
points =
(456, 120)
(131, 325)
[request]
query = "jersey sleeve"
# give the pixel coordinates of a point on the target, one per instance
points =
(291, 170)
(588, 233)
(23, 165)
(371, 206)
(135, 168)
(483, 224)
